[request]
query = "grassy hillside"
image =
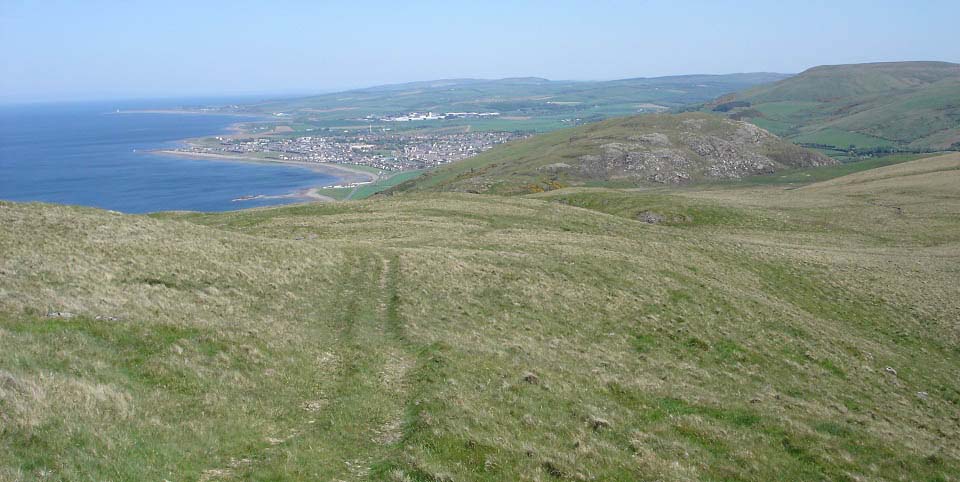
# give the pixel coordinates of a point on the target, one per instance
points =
(750, 334)
(893, 106)
(648, 149)
(524, 103)
(523, 94)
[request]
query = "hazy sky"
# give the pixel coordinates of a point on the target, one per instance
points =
(86, 49)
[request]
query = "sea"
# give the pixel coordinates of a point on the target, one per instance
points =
(88, 154)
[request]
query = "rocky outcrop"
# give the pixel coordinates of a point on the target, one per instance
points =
(696, 147)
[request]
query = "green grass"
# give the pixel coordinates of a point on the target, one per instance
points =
(368, 190)
(785, 109)
(362, 192)
(337, 193)
(531, 105)
(361, 167)
(665, 208)
(529, 165)
(908, 105)
(777, 127)
(441, 336)
(536, 97)
(823, 173)
(842, 139)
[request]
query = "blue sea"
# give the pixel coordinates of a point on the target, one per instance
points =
(86, 154)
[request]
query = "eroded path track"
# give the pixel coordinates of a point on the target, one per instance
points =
(353, 419)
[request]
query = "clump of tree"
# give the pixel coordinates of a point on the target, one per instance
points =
(728, 106)
(853, 150)
(746, 114)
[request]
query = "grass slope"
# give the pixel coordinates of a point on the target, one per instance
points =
(527, 166)
(362, 192)
(760, 334)
(895, 105)
(531, 104)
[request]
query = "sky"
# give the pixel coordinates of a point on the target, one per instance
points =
(90, 49)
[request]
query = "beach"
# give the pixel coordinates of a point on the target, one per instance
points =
(346, 174)
(112, 162)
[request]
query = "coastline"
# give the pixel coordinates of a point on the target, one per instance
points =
(186, 112)
(342, 172)
(310, 193)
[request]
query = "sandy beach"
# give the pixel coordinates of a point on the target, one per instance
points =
(344, 173)
(185, 111)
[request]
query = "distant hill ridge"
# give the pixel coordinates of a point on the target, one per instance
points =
(876, 106)
(521, 95)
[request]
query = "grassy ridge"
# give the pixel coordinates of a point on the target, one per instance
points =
(527, 104)
(764, 334)
(895, 105)
(519, 95)
(691, 143)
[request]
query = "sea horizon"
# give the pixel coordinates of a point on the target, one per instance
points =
(77, 153)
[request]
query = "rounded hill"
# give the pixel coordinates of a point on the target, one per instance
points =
(647, 149)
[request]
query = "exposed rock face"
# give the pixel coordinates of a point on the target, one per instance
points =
(697, 148)
(652, 148)
(654, 139)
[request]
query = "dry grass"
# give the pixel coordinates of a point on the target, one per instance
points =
(395, 339)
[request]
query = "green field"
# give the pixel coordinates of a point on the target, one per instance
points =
(785, 109)
(842, 139)
(387, 181)
(527, 104)
(777, 127)
(713, 333)
(824, 173)
(906, 106)
(368, 190)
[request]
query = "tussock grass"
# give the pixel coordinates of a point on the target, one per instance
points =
(759, 334)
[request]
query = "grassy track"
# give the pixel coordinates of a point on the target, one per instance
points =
(756, 333)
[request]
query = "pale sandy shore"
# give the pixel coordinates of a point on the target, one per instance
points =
(311, 193)
(184, 111)
(344, 173)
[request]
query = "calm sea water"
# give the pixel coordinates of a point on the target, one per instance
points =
(86, 154)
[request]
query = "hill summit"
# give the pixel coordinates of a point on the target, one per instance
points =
(658, 149)
(851, 109)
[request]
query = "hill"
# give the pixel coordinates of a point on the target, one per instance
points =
(880, 106)
(523, 103)
(659, 149)
(757, 334)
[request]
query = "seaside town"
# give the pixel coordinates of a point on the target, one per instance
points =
(425, 116)
(382, 150)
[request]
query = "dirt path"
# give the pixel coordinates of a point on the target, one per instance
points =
(363, 413)
(354, 418)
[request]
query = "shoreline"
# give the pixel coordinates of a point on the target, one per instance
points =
(185, 112)
(309, 193)
(344, 173)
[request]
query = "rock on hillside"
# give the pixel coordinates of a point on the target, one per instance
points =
(655, 148)
(680, 149)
